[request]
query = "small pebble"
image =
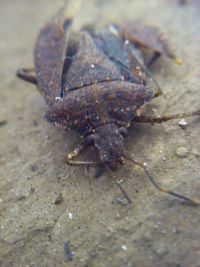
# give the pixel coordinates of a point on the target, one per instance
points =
(35, 123)
(58, 98)
(3, 122)
(69, 253)
(117, 216)
(162, 250)
(182, 152)
(58, 199)
(21, 197)
(124, 247)
(183, 123)
(70, 215)
(34, 167)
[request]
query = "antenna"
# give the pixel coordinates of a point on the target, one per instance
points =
(192, 201)
(118, 183)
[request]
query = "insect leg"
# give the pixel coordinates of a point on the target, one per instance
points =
(192, 201)
(153, 59)
(75, 152)
(81, 163)
(147, 38)
(93, 163)
(25, 74)
(165, 117)
(70, 157)
(156, 55)
(141, 71)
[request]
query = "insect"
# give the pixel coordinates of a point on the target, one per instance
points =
(96, 82)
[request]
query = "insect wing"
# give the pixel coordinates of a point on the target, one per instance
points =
(49, 57)
(89, 66)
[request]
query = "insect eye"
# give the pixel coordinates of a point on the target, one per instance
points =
(123, 131)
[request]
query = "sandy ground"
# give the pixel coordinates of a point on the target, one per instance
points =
(44, 203)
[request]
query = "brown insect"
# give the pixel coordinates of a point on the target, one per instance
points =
(95, 84)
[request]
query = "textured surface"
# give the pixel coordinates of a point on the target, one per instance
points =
(156, 230)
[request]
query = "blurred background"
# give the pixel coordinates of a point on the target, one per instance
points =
(46, 204)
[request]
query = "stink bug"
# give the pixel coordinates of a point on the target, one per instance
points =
(96, 83)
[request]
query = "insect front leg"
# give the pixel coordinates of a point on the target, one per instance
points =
(70, 157)
(27, 75)
(76, 151)
(81, 163)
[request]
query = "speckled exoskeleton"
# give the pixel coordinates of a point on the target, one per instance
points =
(96, 82)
